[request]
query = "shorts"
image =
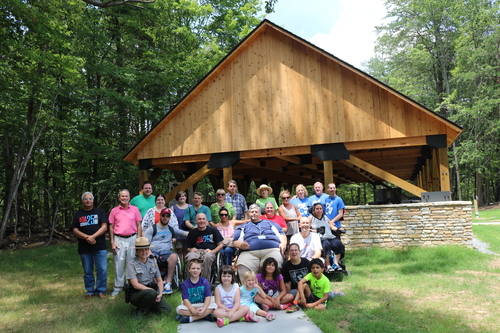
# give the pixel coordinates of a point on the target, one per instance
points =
(254, 259)
(313, 298)
(212, 305)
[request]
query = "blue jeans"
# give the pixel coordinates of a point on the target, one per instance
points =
(228, 252)
(97, 258)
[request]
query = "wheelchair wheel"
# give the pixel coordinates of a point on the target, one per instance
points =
(178, 276)
(216, 265)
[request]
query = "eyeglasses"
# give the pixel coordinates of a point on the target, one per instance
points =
(220, 194)
(285, 198)
(223, 214)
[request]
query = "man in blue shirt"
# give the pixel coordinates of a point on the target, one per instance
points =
(334, 205)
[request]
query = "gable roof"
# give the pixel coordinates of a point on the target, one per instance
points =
(275, 93)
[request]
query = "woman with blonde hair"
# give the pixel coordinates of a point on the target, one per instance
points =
(301, 200)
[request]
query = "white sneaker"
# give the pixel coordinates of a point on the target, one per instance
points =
(115, 292)
(167, 289)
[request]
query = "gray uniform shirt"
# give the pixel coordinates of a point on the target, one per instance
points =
(144, 273)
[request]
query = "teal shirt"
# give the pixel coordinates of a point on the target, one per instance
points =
(143, 204)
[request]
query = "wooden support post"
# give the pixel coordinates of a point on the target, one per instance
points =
(435, 171)
(143, 177)
(444, 170)
(428, 175)
(328, 172)
(191, 180)
(227, 175)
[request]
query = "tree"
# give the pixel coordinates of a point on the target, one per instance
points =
(83, 83)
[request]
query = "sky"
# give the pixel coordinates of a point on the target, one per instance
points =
(344, 28)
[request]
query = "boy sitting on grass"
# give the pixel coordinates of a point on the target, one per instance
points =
(314, 287)
(196, 296)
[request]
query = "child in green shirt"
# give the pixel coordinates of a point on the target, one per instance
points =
(314, 287)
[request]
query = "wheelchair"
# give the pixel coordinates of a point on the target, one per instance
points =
(336, 275)
(163, 265)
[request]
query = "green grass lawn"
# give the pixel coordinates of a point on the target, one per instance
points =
(487, 215)
(439, 289)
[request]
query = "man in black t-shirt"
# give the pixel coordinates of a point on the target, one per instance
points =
(89, 225)
(294, 269)
(203, 243)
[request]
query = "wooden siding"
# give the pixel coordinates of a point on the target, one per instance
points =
(277, 91)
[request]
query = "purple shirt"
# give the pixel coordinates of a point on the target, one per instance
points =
(196, 292)
(270, 287)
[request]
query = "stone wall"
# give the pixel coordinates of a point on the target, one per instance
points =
(403, 225)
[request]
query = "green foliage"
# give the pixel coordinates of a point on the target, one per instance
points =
(443, 54)
(99, 79)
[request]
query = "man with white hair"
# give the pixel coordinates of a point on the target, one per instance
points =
(89, 226)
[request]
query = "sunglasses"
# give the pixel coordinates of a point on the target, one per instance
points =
(220, 194)
(285, 198)
(223, 214)
(165, 215)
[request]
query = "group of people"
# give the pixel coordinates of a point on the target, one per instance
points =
(144, 231)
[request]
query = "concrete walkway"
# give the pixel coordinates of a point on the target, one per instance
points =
(296, 322)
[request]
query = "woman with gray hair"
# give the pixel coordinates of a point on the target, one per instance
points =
(258, 239)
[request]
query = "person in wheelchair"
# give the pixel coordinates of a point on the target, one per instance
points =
(162, 237)
(203, 242)
(226, 229)
(330, 237)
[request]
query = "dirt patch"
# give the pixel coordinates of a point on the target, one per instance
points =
(494, 205)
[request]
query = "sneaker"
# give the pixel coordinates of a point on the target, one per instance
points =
(167, 290)
(178, 317)
(222, 321)
(285, 306)
(270, 316)
(185, 320)
(210, 317)
(115, 292)
(251, 317)
(264, 307)
(292, 308)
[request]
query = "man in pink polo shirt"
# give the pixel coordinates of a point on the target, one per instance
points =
(124, 224)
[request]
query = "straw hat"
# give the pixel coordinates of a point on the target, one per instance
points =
(264, 187)
(142, 243)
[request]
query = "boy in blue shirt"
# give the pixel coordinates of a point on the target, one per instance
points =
(196, 297)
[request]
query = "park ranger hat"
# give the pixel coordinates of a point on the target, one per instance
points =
(142, 243)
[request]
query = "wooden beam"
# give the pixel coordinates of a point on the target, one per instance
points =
(387, 143)
(444, 170)
(291, 159)
(363, 174)
(155, 174)
(386, 176)
(191, 180)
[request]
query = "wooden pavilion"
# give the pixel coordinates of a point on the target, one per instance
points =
(280, 110)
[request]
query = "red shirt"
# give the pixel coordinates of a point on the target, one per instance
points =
(276, 219)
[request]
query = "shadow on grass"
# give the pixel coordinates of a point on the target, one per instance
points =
(369, 310)
(45, 294)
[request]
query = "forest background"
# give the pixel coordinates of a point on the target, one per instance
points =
(82, 81)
